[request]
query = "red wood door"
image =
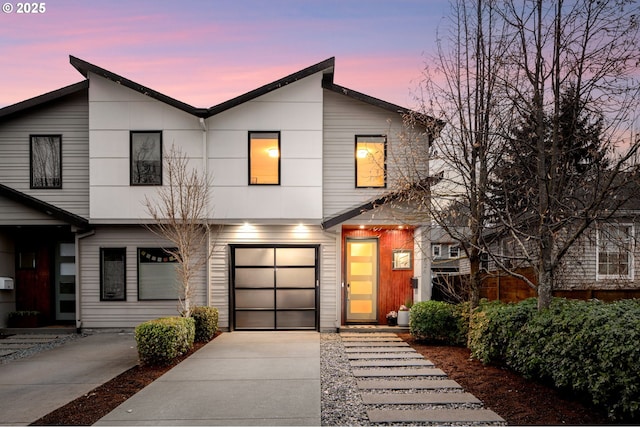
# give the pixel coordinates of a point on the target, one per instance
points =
(33, 279)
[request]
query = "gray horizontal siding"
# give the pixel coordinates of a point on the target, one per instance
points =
(68, 117)
(14, 213)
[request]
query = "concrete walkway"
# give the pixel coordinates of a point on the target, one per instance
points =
(240, 378)
(32, 387)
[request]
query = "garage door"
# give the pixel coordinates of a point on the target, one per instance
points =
(274, 287)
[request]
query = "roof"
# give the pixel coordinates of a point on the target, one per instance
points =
(85, 68)
(44, 99)
(44, 207)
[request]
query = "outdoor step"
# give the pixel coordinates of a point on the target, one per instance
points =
(369, 334)
(405, 349)
(372, 339)
(399, 372)
(386, 356)
(433, 416)
(16, 346)
(418, 398)
(375, 344)
(391, 362)
(407, 384)
(6, 352)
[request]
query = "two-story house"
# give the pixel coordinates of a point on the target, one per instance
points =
(299, 172)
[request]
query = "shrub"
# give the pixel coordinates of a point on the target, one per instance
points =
(493, 325)
(437, 321)
(161, 340)
(206, 321)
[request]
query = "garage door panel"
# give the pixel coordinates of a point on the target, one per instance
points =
(255, 320)
(275, 287)
(254, 298)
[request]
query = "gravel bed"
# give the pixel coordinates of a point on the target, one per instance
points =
(38, 347)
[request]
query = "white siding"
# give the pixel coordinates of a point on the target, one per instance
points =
(114, 112)
(120, 314)
(68, 117)
(296, 111)
(290, 234)
(344, 118)
(115, 314)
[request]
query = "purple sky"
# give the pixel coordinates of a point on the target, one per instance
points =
(206, 52)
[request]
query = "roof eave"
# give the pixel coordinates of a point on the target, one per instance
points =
(44, 207)
(43, 99)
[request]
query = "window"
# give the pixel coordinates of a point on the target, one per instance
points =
(264, 158)
(454, 251)
(615, 251)
(113, 274)
(146, 157)
(435, 251)
(46, 161)
(371, 161)
(157, 277)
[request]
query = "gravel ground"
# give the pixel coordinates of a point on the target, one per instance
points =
(37, 348)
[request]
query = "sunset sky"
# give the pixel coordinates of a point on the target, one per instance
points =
(206, 52)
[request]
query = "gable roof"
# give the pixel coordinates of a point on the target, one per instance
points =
(44, 207)
(43, 99)
(85, 68)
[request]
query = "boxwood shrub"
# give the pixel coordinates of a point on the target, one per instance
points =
(159, 341)
(589, 348)
(439, 321)
(206, 321)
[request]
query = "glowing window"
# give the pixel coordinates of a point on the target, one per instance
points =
(370, 160)
(264, 158)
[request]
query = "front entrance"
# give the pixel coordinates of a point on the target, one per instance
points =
(362, 280)
(274, 287)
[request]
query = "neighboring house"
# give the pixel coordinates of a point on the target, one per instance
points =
(449, 265)
(300, 168)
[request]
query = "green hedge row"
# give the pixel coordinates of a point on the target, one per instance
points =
(439, 321)
(161, 340)
(589, 347)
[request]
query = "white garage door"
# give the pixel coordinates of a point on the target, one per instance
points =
(274, 287)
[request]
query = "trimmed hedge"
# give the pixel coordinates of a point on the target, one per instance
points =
(439, 321)
(589, 347)
(159, 341)
(206, 319)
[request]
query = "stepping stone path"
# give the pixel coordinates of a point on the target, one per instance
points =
(391, 375)
(14, 343)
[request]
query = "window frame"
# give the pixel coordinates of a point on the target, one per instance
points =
(132, 182)
(123, 251)
(433, 251)
(355, 159)
(249, 138)
(629, 250)
(32, 185)
(453, 248)
(178, 296)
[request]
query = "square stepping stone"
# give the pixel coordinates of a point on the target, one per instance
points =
(419, 398)
(390, 362)
(433, 416)
(399, 372)
(407, 384)
(373, 339)
(6, 352)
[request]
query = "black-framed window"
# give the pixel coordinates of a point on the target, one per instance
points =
(264, 158)
(146, 157)
(46, 161)
(113, 277)
(371, 161)
(157, 275)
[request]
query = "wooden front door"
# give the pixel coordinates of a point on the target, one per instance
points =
(362, 280)
(33, 278)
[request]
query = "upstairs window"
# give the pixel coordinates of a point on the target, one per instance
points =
(615, 251)
(46, 161)
(454, 251)
(435, 251)
(371, 161)
(146, 157)
(264, 158)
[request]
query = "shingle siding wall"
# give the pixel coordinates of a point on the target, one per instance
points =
(68, 117)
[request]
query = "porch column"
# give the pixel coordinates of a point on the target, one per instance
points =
(422, 265)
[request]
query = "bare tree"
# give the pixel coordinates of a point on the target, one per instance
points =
(180, 212)
(592, 47)
(462, 89)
